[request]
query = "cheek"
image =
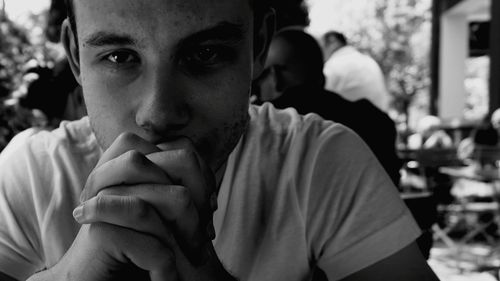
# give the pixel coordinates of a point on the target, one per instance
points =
(232, 97)
(107, 113)
(224, 119)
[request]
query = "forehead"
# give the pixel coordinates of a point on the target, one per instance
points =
(158, 18)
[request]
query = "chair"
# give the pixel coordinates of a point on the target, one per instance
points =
(422, 200)
(473, 217)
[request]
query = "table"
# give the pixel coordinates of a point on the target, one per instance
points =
(465, 207)
(472, 173)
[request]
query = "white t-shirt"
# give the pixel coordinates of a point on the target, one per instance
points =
(297, 191)
(355, 76)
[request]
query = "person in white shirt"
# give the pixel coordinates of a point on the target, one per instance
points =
(352, 74)
(174, 176)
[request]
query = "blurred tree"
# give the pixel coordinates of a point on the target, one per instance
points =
(21, 48)
(397, 36)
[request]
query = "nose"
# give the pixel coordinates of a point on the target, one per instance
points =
(163, 111)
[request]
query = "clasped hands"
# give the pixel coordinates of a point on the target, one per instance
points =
(148, 209)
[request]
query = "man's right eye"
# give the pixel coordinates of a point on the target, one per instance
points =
(121, 57)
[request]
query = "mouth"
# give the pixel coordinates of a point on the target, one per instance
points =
(176, 142)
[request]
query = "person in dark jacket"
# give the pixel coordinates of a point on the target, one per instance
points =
(294, 78)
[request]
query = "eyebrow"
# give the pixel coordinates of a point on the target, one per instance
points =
(223, 31)
(104, 38)
(227, 32)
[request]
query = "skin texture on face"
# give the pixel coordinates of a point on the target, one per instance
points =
(165, 69)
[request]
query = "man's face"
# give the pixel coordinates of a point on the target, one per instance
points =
(165, 69)
(283, 71)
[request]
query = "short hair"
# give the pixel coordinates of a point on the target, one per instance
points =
(260, 7)
(70, 14)
(336, 36)
(306, 49)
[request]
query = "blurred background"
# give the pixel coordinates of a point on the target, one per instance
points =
(441, 63)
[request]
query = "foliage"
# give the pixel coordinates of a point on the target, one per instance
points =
(21, 48)
(397, 35)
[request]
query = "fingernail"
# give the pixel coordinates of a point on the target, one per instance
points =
(213, 202)
(78, 213)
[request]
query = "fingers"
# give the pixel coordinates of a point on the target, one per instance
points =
(123, 211)
(185, 143)
(144, 251)
(185, 167)
(144, 208)
(125, 142)
(129, 168)
(125, 170)
(182, 167)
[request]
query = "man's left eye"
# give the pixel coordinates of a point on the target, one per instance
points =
(204, 55)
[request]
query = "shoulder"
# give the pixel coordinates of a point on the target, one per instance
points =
(291, 130)
(34, 157)
(75, 136)
(307, 146)
(41, 174)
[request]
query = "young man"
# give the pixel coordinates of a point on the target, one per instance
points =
(169, 139)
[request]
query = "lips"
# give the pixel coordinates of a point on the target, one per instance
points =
(167, 143)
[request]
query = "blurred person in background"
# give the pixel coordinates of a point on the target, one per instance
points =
(428, 134)
(37, 87)
(352, 74)
(54, 91)
(495, 119)
(482, 148)
(294, 77)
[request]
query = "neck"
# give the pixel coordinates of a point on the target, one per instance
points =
(337, 47)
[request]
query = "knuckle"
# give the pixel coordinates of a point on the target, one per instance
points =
(138, 208)
(183, 197)
(100, 205)
(134, 157)
(127, 138)
(187, 154)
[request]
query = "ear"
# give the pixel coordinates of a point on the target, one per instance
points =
(262, 39)
(69, 41)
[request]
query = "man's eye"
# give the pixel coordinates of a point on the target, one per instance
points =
(204, 55)
(121, 57)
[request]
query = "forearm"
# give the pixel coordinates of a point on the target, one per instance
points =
(47, 275)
